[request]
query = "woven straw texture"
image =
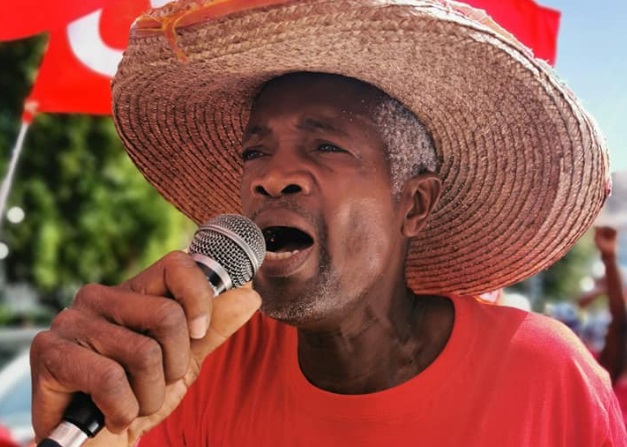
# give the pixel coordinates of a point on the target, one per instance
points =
(524, 169)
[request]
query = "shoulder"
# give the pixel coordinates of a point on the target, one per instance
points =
(537, 358)
(528, 340)
(525, 327)
(542, 332)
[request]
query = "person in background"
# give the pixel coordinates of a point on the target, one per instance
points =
(613, 355)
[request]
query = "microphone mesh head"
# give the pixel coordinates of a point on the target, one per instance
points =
(240, 255)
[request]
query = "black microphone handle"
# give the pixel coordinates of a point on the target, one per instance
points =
(82, 420)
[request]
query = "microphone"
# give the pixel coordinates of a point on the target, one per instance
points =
(229, 249)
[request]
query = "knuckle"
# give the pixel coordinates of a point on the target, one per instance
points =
(65, 318)
(50, 362)
(43, 354)
(87, 294)
(170, 316)
(148, 355)
(175, 257)
(115, 397)
(122, 417)
(112, 380)
(41, 342)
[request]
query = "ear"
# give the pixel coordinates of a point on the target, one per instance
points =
(420, 195)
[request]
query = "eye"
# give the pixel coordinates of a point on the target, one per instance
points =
(251, 154)
(328, 147)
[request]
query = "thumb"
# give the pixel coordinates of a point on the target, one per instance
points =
(231, 310)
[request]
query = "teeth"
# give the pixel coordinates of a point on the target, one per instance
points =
(271, 256)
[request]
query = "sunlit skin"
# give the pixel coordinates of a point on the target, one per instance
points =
(313, 160)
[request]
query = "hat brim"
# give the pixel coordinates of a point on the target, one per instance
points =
(524, 169)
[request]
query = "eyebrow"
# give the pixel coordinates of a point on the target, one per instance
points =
(305, 123)
(309, 123)
(256, 131)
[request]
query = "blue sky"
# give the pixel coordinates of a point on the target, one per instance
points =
(592, 59)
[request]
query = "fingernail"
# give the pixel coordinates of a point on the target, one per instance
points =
(198, 327)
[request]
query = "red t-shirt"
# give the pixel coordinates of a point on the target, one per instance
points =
(620, 388)
(505, 378)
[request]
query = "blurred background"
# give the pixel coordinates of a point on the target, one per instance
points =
(78, 211)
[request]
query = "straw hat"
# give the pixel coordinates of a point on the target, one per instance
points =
(524, 168)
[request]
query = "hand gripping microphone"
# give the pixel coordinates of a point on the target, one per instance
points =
(229, 249)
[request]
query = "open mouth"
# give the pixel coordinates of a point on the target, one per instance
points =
(283, 242)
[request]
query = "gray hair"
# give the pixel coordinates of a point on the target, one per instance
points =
(410, 149)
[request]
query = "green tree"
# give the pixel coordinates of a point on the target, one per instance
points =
(90, 215)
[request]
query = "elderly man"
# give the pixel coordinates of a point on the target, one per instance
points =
(400, 158)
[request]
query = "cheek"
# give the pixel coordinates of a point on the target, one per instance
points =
(368, 235)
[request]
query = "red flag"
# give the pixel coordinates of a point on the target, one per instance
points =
(87, 38)
(81, 59)
(534, 25)
(23, 18)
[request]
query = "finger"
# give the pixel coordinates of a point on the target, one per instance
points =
(231, 310)
(61, 368)
(140, 356)
(159, 318)
(178, 276)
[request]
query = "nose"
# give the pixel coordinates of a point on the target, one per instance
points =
(281, 178)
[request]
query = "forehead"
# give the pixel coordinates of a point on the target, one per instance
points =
(336, 96)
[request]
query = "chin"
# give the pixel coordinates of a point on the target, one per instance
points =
(304, 310)
(319, 315)
(295, 313)
(300, 303)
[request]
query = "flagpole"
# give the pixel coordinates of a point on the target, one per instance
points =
(8, 179)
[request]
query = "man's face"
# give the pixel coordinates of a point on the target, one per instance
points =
(317, 182)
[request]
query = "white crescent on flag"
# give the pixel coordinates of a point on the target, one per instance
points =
(89, 47)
